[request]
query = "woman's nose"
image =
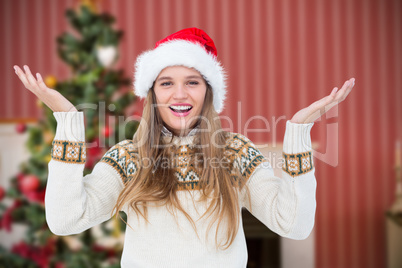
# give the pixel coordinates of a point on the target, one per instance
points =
(180, 92)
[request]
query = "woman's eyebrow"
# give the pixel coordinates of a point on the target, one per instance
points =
(170, 78)
(163, 78)
(194, 76)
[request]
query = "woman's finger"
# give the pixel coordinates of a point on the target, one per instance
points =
(348, 90)
(333, 92)
(352, 84)
(30, 77)
(22, 77)
(345, 92)
(41, 84)
(340, 93)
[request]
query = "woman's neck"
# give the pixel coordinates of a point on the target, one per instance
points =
(166, 131)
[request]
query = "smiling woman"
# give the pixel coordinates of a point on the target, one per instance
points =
(181, 177)
(180, 94)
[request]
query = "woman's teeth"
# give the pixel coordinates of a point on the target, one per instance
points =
(180, 109)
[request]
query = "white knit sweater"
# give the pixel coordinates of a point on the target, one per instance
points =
(75, 203)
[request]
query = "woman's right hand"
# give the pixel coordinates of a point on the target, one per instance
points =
(52, 98)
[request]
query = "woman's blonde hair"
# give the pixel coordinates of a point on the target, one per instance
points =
(220, 184)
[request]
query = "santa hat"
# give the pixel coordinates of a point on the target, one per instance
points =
(189, 47)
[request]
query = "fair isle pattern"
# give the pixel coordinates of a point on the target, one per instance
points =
(188, 178)
(244, 153)
(297, 164)
(68, 151)
(122, 158)
(239, 152)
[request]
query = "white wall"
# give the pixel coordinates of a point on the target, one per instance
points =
(12, 153)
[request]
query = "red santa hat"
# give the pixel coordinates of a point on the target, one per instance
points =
(189, 47)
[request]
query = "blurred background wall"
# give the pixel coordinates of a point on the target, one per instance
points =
(280, 56)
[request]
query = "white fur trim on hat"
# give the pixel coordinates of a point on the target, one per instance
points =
(180, 53)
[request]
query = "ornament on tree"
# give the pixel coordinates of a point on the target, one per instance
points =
(36, 196)
(59, 265)
(48, 158)
(28, 183)
(48, 137)
(93, 154)
(90, 4)
(106, 55)
(2, 193)
(50, 81)
(39, 103)
(107, 131)
(21, 128)
(41, 255)
(6, 219)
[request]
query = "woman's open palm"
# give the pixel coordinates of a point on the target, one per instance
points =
(52, 98)
(320, 107)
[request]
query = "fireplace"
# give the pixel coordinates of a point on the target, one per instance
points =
(263, 245)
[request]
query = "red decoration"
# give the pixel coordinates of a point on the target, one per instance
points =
(2, 193)
(21, 128)
(20, 176)
(110, 252)
(106, 131)
(94, 153)
(36, 196)
(41, 255)
(29, 183)
(59, 265)
(137, 116)
(6, 220)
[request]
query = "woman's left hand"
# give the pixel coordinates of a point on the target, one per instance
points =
(320, 107)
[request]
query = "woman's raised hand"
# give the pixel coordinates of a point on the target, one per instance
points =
(52, 98)
(320, 107)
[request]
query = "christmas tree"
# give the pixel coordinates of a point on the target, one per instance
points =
(95, 89)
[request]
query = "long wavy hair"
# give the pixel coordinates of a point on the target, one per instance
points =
(159, 184)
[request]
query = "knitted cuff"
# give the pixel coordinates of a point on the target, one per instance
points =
(69, 152)
(297, 138)
(297, 150)
(70, 126)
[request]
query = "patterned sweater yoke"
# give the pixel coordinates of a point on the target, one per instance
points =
(239, 151)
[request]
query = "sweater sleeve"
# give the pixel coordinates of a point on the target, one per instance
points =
(286, 205)
(73, 202)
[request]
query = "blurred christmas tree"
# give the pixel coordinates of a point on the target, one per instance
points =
(94, 89)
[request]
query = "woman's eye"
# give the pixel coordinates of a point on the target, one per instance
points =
(166, 84)
(193, 82)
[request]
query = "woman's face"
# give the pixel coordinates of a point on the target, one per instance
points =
(180, 93)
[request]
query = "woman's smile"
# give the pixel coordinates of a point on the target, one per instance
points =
(181, 109)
